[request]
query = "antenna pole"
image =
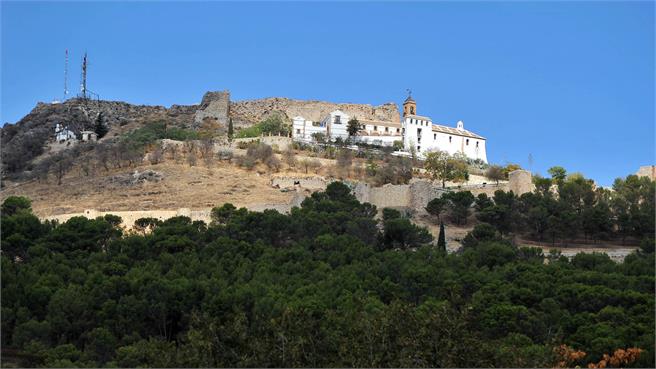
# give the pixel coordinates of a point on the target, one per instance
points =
(83, 85)
(66, 76)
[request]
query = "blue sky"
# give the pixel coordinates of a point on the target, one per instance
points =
(570, 83)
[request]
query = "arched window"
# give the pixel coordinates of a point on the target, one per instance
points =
(412, 110)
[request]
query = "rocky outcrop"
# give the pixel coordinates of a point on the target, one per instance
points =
(25, 140)
(253, 111)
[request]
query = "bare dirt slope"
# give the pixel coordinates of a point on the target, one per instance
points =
(181, 186)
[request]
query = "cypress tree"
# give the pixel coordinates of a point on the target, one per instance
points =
(230, 128)
(441, 239)
(100, 127)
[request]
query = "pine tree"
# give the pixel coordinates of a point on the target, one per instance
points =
(441, 239)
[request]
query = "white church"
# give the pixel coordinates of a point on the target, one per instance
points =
(415, 132)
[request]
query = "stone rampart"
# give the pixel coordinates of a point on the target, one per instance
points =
(281, 142)
(647, 171)
(256, 110)
(314, 183)
(215, 104)
(520, 182)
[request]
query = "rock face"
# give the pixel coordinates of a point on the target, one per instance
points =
(253, 111)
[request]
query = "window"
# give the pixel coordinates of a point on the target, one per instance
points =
(476, 143)
(386, 129)
(397, 130)
(449, 139)
(418, 148)
(467, 142)
(375, 128)
(412, 110)
(434, 136)
(338, 119)
(298, 131)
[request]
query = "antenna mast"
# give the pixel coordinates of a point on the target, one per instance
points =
(66, 76)
(83, 83)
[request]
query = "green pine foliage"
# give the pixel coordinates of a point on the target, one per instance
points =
(328, 285)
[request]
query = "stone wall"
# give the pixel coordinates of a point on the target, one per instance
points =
(313, 183)
(215, 104)
(520, 182)
(281, 142)
(254, 111)
(129, 217)
(647, 171)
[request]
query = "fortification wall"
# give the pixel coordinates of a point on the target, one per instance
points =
(130, 217)
(257, 110)
(386, 196)
(281, 142)
(215, 104)
(313, 183)
(520, 182)
(647, 171)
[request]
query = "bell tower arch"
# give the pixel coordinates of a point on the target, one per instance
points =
(409, 105)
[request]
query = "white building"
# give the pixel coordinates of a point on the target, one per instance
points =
(416, 132)
(420, 134)
(89, 136)
(63, 134)
(332, 126)
(335, 125)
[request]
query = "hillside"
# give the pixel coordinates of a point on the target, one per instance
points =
(27, 139)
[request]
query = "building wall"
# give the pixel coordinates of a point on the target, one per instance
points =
(336, 123)
(379, 140)
(304, 129)
(418, 133)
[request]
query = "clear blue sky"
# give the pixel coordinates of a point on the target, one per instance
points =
(571, 83)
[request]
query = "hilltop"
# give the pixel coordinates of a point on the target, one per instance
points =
(27, 139)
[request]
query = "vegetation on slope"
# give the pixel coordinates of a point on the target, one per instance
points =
(327, 285)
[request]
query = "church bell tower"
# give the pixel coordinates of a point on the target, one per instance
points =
(409, 105)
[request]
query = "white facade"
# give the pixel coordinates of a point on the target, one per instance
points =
(332, 126)
(89, 136)
(421, 134)
(63, 134)
(418, 133)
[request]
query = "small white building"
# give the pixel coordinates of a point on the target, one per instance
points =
(89, 136)
(63, 134)
(335, 125)
(332, 126)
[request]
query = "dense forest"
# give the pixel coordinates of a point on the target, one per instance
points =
(328, 285)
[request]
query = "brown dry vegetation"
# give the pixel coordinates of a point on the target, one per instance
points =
(182, 186)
